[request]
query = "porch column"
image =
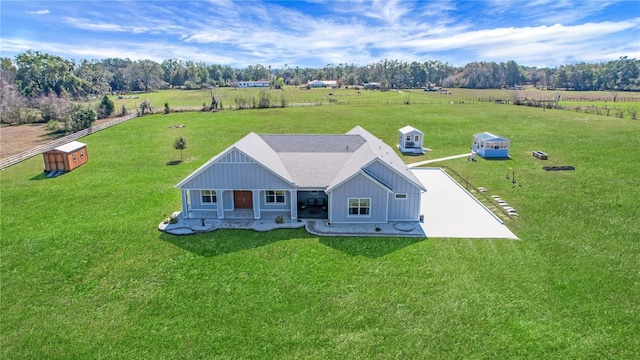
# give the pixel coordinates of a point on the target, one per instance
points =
(256, 204)
(220, 196)
(294, 204)
(185, 203)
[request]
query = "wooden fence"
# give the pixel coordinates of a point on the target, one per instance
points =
(14, 159)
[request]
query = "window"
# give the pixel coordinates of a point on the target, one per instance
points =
(274, 196)
(401, 196)
(416, 138)
(408, 137)
(359, 207)
(81, 153)
(74, 157)
(209, 196)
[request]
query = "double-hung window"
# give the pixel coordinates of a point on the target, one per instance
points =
(209, 196)
(359, 206)
(274, 196)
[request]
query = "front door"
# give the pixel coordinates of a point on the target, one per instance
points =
(243, 199)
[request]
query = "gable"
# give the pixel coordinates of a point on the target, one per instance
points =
(410, 130)
(235, 157)
(221, 170)
(398, 182)
(244, 176)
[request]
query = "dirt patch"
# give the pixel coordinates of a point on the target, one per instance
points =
(16, 139)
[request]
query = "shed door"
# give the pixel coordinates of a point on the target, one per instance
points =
(56, 161)
(243, 199)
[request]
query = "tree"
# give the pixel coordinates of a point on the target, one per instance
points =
(144, 75)
(14, 105)
(42, 74)
(180, 144)
(512, 75)
(96, 74)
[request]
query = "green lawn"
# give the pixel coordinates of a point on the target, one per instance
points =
(84, 273)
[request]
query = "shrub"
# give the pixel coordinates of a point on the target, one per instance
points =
(51, 125)
(166, 108)
(106, 107)
(83, 118)
(145, 107)
(279, 219)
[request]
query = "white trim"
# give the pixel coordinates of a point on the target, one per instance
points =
(395, 196)
(275, 197)
(368, 215)
(213, 194)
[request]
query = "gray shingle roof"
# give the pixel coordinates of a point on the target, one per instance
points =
(316, 161)
(313, 143)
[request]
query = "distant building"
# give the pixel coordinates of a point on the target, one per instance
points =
(322, 84)
(372, 86)
(246, 84)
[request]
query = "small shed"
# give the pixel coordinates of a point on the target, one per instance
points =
(410, 140)
(488, 145)
(65, 158)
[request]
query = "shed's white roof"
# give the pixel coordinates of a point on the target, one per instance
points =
(70, 147)
(409, 129)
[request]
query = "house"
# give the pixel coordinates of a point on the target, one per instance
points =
(488, 145)
(347, 178)
(372, 86)
(410, 140)
(246, 84)
(65, 158)
(322, 84)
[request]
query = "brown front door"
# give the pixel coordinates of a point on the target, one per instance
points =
(243, 199)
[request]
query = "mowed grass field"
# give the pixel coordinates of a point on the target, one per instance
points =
(86, 274)
(627, 103)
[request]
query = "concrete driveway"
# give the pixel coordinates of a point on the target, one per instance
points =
(450, 211)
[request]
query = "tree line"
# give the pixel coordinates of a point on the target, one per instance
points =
(33, 76)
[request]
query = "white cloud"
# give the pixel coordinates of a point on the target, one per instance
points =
(357, 31)
(40, 12)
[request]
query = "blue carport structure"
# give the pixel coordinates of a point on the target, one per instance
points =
(488, 146)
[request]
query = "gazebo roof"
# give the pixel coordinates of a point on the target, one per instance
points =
(485, 136)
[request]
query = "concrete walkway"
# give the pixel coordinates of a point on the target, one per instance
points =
(437, 160)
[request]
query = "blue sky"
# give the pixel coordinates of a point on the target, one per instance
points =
(315, 33)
